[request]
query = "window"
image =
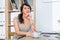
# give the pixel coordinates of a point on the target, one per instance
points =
(2, 19)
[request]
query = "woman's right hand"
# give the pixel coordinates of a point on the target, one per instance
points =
(29, 34)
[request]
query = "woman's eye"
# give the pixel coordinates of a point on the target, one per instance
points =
(28, 8)
(24, 8)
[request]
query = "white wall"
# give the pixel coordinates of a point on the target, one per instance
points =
(44, 15)
(56, 15)
(47, 15)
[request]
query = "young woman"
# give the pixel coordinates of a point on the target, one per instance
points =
(23, 23)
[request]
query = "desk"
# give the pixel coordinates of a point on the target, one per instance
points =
(31, 38)
(1, 39)
(41, 38)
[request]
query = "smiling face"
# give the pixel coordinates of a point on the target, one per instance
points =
(26, 10)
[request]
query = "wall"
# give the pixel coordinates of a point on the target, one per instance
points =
(44, 15)
(56, 15)
(47, 15)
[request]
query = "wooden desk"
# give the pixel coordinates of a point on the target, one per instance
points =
(41, 38)
(1, 39)
(31, 38)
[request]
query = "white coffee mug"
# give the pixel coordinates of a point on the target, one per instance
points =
(35, 34)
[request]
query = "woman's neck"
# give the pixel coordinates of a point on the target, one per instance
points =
(25, 18)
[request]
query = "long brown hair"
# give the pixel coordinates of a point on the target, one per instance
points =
(20, 16)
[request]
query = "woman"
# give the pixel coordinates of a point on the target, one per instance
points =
(23, 23)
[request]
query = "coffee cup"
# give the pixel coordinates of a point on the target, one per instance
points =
(36, 34)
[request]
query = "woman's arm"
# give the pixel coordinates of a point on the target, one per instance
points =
(32, 26)
(17, 31)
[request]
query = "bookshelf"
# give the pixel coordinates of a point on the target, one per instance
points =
(8, 10)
